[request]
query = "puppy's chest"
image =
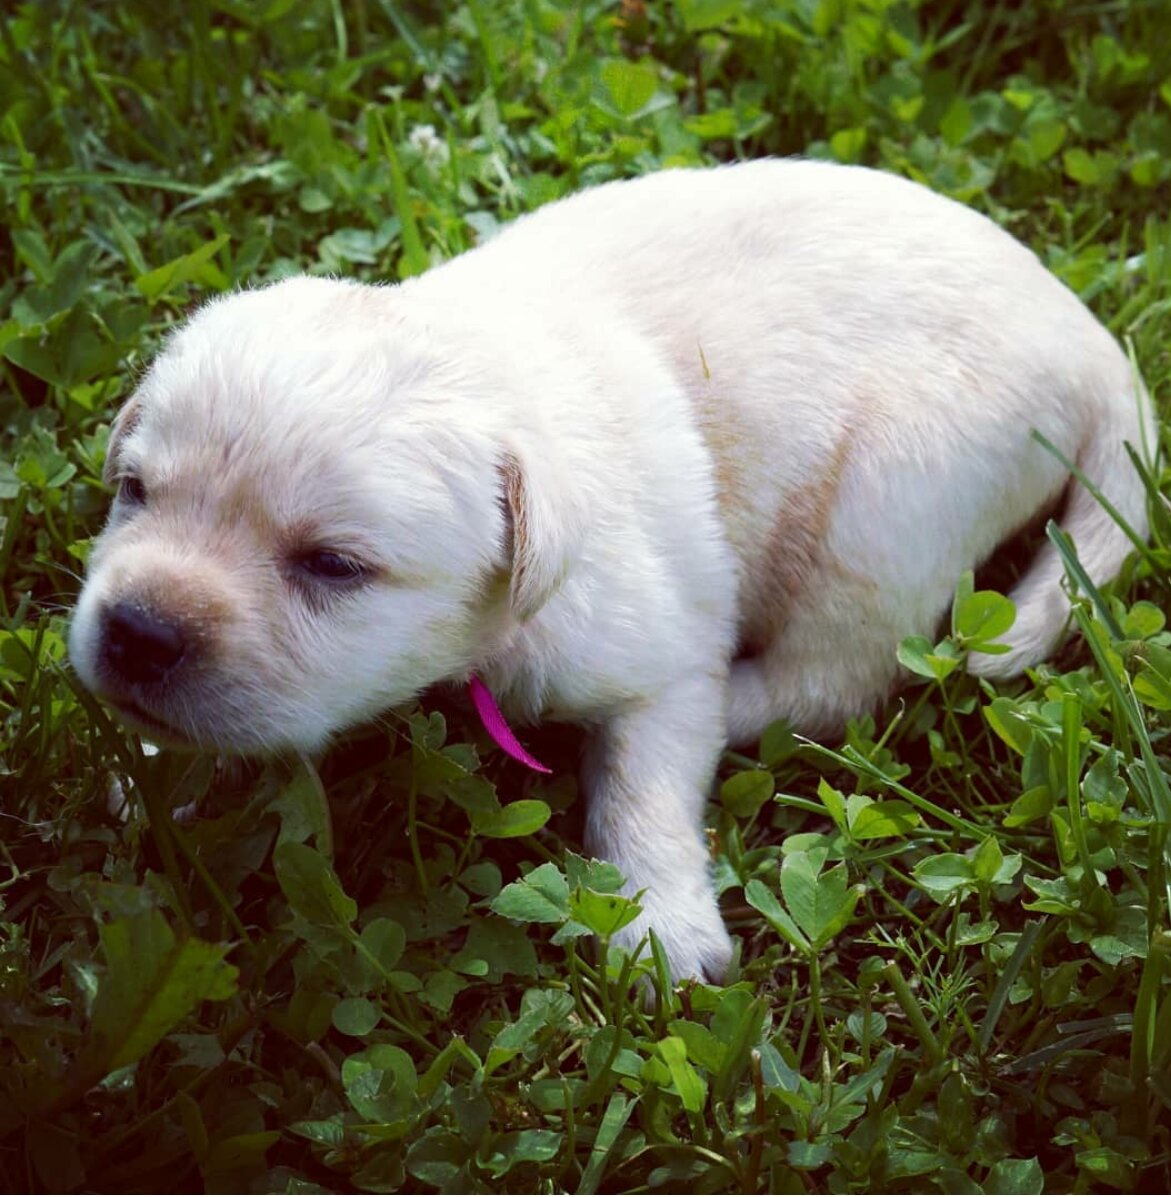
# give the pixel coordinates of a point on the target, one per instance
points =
(611, 655)
(530, 693)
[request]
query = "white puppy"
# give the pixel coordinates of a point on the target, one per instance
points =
(673, 458)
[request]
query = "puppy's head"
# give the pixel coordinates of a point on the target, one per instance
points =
(312, 524)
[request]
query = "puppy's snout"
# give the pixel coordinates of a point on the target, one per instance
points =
(139, 645)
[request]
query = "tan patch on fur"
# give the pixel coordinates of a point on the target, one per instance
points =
(723, 433)
(792, 554)
(180, 599)
(520, 547)
(728, 439)
(124, 424)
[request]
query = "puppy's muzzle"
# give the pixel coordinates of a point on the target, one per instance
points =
(139, 646)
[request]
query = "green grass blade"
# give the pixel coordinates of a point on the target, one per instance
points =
(1006, 980)
(415, 256)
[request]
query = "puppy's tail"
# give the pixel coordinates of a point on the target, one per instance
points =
(1041, 604)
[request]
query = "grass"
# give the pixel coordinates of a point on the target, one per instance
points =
(373, 973)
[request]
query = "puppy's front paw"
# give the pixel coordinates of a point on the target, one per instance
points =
(691, 931)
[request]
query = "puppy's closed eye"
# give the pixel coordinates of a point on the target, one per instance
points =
(132, 490)
(321, 578)
(330, 567)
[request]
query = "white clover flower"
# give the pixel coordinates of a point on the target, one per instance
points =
(430, 146)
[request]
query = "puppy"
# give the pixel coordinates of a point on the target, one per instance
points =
(673, 458)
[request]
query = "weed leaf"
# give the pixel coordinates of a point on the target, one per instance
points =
(153, 980)
(541, 896)
(311, 886)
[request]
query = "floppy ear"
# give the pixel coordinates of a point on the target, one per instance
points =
(544, 535)
(124, 424)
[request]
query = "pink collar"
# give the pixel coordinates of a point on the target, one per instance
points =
(497, 726)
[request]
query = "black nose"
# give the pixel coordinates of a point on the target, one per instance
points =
(139, 645)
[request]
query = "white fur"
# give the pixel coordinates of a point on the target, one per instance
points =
(782, 404)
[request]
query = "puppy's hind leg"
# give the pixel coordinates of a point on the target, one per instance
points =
(647, 778)
(836, 658)
(751, 703)
(762, 690)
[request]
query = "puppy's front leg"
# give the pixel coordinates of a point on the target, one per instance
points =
(647, 779)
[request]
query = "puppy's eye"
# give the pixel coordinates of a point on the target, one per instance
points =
(132, 490)
(324, 565)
